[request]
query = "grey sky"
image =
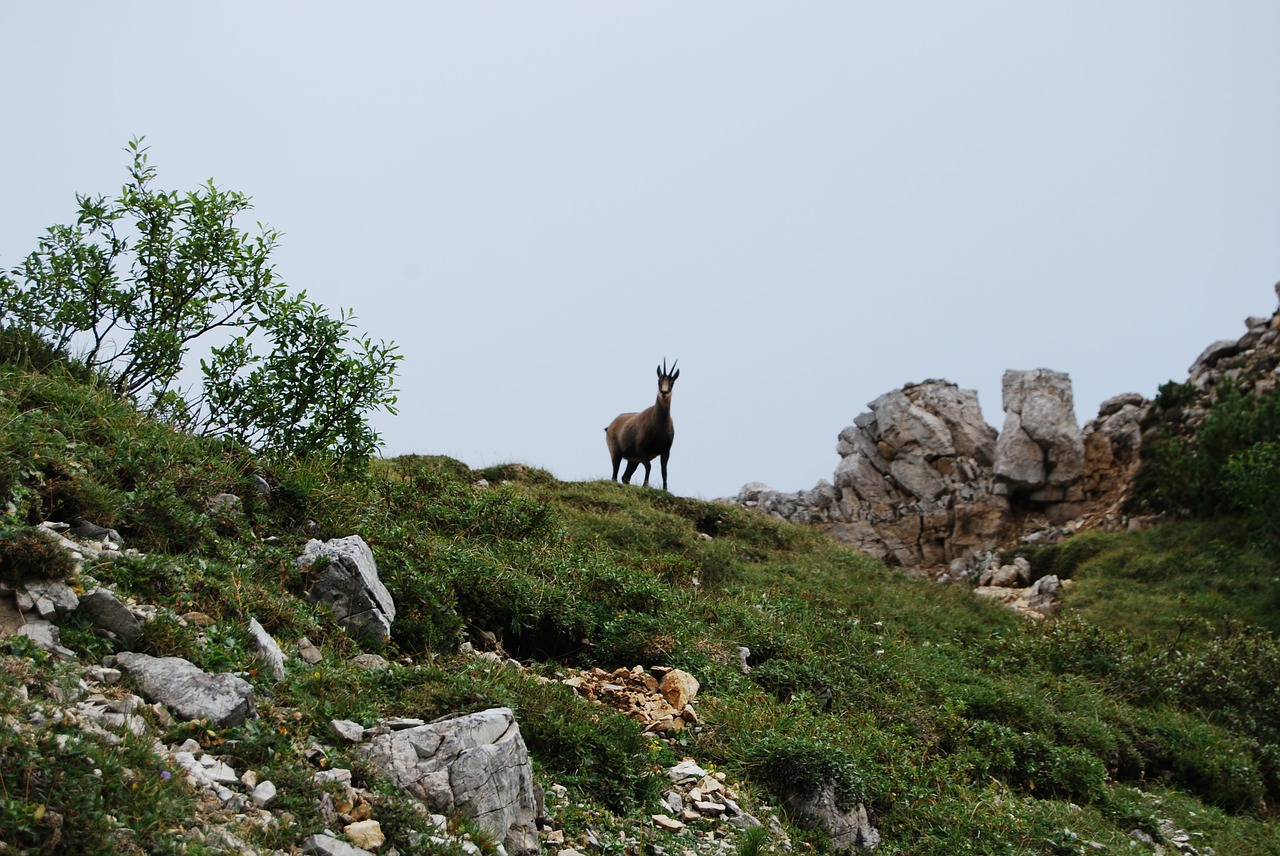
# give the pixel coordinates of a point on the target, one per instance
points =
(808, 204)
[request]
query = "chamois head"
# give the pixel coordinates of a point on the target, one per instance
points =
(667, 380)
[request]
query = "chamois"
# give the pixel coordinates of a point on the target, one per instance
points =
(641, 437)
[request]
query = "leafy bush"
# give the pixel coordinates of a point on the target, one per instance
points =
(1033, 763)
(1252, 483)
(139, 278)
(1188, 474)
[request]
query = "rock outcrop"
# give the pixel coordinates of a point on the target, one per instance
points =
(348, 582)
(924, 482)
(1112, 446)
(1040, 452)
(914, 482)
(474, 764)
(1252, 363)
(847, 828)
(191, 693)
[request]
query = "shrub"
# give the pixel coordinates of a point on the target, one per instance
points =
(1252, 483)
(426, 619)
(601, 752)
(27, 553)
(803, 766)
(535, 617)
(1032, 763)
(1188, 474)
(1215, 765)
(786, 679)
(636, 639)
(140, 277)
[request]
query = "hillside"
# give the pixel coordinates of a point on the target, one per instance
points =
(1141, 720)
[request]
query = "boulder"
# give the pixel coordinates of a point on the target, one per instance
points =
(349, 584)
(49, 600)
(324, 844)
(1041, 445)
(1042, 597)
(366, 834)
(678, 688)
(308, 652)
(108, 613)
(11, 620)
(908, 427)
(1210, 356)
(1015, 575)
(474, 764)
(268, 649)
(749, 495)
(352, 732)
(45, 634)
(847, 828)
(192, 693)
(94, 532)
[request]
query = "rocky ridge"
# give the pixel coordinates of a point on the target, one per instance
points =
(926, 484)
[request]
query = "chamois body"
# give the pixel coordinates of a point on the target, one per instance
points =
(641, 437)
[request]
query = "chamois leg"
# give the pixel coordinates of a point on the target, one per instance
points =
(647, 468)
(665, 455)
(629, 471)
(617, 461)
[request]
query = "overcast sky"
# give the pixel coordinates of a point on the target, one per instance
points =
(807, 204)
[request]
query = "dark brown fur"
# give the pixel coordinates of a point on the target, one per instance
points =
(641, 437)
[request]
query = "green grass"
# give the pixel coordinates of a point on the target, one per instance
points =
(1158, 583)
(961, 726)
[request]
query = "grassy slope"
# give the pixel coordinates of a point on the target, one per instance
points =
(963, 728)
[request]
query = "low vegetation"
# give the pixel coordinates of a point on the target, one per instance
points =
(963, 728)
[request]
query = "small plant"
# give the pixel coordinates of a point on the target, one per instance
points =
(27, 553)
(802, 766)
(24, 348)
(785, 680)
(1033, 763)
(753, 842)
